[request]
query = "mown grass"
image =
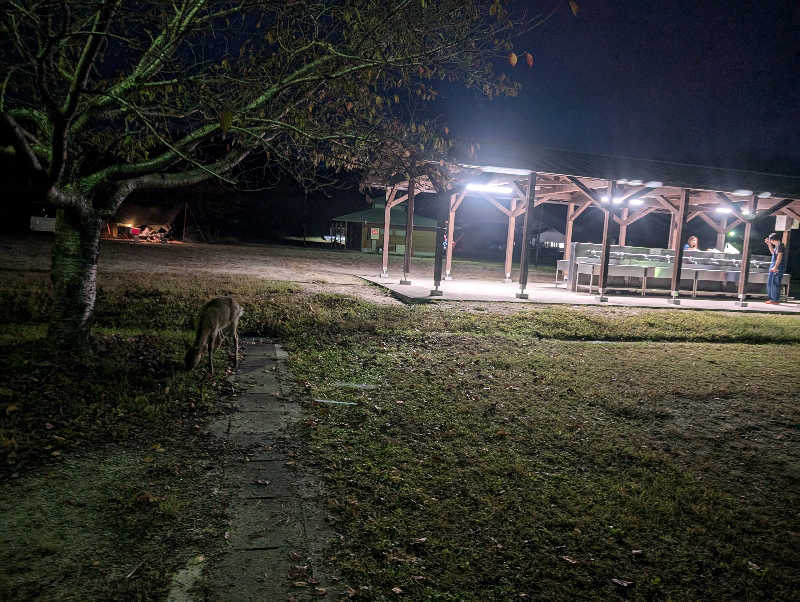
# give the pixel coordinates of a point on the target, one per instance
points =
(541, 453)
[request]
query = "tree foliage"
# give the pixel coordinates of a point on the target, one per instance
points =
(103, 98)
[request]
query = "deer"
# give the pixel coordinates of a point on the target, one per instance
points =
(221, 313)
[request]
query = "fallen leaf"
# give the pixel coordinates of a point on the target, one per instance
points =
(397, 590)
(512, 59)
(300, 584)
(622, 582)
(570, 560)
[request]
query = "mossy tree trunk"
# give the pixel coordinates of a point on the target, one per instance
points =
(74, 276)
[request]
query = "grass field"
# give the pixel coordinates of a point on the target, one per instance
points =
(551, 452)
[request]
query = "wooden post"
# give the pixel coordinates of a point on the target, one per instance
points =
(671, 240)
(606, 248)
(721, 231)
(512, 222)
(623, 228)
(744, 272)
(680, 222)
(387, 224)
(568, 229)
(527, 227)
(409, 233)
(455, 201)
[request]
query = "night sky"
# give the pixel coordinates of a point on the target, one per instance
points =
(713, 83)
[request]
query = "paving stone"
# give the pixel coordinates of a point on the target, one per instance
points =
(275, 510)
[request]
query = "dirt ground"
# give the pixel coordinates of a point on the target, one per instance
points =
(317, 270)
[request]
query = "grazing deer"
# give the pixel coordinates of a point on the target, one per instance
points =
(217, 315)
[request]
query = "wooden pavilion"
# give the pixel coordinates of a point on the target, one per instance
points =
(625, 189)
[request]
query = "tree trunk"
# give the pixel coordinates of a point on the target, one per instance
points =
(74, 275)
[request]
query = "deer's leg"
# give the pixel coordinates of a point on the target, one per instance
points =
(235, 345)
(211, 346)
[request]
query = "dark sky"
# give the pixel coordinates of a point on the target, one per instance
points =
(696, 81)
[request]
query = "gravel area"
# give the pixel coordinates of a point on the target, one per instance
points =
(315, 269)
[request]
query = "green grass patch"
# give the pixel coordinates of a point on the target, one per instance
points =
(543, 453)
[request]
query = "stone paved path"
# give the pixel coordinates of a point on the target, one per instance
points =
(277, 521)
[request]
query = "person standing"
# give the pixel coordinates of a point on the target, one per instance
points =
(691, 244)
(776, 267)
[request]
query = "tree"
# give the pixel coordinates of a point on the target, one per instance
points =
(104, 98)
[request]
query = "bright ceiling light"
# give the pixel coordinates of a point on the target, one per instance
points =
(724, 210)
(636, 202)
(654, 184)
(475, 187)
(764, 195)
(745, 211)
(617, 200)
(604, 198)
(742, 192)
(622, 181)
(635, 182)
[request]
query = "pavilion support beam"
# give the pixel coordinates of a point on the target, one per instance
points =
(725, 201)
(512, 222)
(527, 228)
(680, 223)
(671, 237)
(387, 219)
(605, 252)
(744, 273)
(409, 233)
(455, 203)
(623, 227)
(568, 229)
(723, 228)
(639, 215)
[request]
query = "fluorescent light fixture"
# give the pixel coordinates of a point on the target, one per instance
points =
(742, 192)
(604, 198)
(475, 187)
(764, 195)
(724, 210)
(622, 181)
(511, 171)
(745, 211)
(654, 184)
(635, 182)
(617, 200)
(731, 233)
(636, 202)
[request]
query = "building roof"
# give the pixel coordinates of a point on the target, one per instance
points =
(679, 175)
(375, 215)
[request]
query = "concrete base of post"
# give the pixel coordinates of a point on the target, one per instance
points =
(384, 275)
(405, 281)
(448, 277)
(521, 295)
(507, 280)
(674, 301)
(436, 293)
(601, 298)
(740, 303)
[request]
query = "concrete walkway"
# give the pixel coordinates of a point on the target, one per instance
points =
(493, 290)
(278, 530)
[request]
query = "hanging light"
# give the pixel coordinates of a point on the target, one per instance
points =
(654, 184)
(476, 187)
(636, 202)
(742, 192)
(724, 210)
(764, 195)
(635, 182)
